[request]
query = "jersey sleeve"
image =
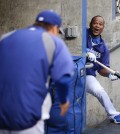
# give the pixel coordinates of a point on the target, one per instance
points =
(62, 61)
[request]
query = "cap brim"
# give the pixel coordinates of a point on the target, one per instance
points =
(61, 31)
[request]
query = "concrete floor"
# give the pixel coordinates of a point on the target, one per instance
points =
(106, 127)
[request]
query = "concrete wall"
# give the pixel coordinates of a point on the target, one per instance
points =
(115, 86)
(71, 14)
(21, 13)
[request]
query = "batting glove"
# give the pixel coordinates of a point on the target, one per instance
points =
(112, 77)
(91, 56)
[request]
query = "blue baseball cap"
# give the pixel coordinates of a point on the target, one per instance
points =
(50, 17)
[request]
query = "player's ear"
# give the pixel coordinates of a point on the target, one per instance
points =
(90, 24)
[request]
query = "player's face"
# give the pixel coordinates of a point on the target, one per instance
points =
(97, 26)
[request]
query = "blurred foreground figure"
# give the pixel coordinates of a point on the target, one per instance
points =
(28, 57)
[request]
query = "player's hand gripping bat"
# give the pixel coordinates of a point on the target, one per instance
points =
(93, 58)
(111, 71)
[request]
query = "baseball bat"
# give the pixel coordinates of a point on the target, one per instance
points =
(109, 69)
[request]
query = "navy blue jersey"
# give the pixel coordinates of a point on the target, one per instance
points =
(99, 48)
(24, 70)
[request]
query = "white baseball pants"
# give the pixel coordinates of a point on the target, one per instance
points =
(37, 129)
(93, 87)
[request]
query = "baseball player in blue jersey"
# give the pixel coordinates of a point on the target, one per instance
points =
(28, 58)
(97, 49)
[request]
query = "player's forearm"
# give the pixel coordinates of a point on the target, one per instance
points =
(104, 72)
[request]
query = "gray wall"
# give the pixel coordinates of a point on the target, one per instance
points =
(21, 13)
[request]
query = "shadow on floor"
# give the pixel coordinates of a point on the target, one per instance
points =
(106, 127)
